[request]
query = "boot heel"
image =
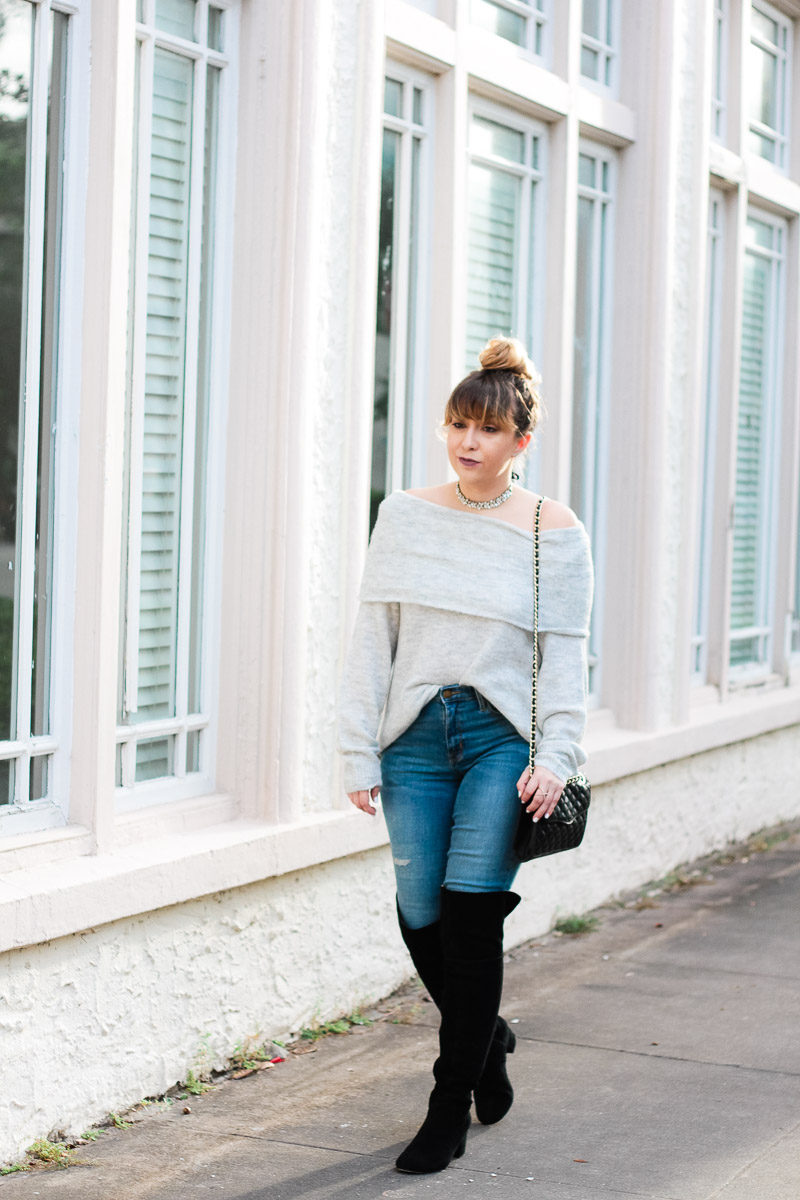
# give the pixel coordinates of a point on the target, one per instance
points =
(460, 1148)
(511, 1045)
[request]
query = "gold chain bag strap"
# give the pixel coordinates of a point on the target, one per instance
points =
(565, 827)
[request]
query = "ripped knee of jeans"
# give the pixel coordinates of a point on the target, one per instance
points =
(402, 862)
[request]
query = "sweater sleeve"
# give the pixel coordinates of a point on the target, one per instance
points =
(365, 687)
(561, 703)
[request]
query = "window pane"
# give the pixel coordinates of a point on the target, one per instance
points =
(393, 98)
(587, 171)
(750, 510)
(764, 26)
(203, 393)
(591, 18)
(494, 199)
(215, 20)
(164, 382)
(15, 60)
(583, 361)
(176, 17)
(43, 570)
(418, 101)
(763, 77)
(590, 63)
(390, 183)
(192, 751)
(6, 782)
(497, 141)
(500, 21)
(413, 291)
(154, 759)
(38, 777)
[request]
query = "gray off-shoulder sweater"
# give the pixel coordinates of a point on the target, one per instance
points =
(447, 598)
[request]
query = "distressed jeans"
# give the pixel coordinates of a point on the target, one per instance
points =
(450, 800)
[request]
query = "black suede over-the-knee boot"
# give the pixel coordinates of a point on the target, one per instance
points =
(472, 945)
(493, 1092)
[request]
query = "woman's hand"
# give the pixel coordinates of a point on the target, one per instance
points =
(365, 800)
(540, 792)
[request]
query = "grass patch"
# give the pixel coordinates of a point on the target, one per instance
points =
(313, 1033)
(574, 926)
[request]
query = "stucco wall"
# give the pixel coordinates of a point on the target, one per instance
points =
(97, 1021)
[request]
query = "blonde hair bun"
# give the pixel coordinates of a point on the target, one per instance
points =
(508, 354)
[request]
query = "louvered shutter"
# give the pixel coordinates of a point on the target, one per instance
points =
(164, 382)
(749, 531)
(494, 202)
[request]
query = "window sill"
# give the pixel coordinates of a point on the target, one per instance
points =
(52, 901)
(615, 753)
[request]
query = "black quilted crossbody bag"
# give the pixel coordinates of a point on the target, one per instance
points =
(565, 827)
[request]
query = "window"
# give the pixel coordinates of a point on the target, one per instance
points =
(165, 703)
(590, 362)
(504, 240)
(523, 22)
(35, 54)
(402, 280)
(756, 446)
(768, 74)
(720, 69)
(598, 41)
(707, 435)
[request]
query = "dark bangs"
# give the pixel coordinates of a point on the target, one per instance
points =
(485, 396)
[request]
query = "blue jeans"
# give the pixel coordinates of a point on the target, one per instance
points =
(450, 801)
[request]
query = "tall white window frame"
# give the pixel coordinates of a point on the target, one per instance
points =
(171, 756)
(719, 70)
(34, 756)
(523, 23)
(403, 301)
(752, 641)
(770, 49)
(708, 439)
(600, 43)
(518, 311)
(592, 367)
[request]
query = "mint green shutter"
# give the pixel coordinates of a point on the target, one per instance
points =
(164, 382)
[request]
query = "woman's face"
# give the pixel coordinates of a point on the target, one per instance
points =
(482, 453)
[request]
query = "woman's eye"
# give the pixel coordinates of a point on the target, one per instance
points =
(490, 429)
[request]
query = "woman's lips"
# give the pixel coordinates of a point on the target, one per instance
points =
(469, 462)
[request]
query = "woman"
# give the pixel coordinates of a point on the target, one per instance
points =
(435, 717)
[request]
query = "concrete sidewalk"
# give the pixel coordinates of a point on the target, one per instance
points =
(658, 1056)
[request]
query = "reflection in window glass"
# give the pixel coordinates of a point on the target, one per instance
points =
(30, 223)
(400, 283)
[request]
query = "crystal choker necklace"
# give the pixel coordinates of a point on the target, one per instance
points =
(479, 504)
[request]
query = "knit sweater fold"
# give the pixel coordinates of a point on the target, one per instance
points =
(447, 598)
